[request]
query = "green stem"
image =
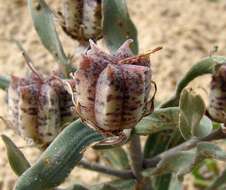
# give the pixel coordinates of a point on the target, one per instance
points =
(136, 156)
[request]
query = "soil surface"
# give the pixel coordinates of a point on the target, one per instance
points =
(188, 30)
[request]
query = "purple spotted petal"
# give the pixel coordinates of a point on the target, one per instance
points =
(109, 98)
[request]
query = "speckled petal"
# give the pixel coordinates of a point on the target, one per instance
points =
(65, 100)
(136, 88)
(86, 78)
(48, 114)
(27, 111)
(92, 19)
(124, 51)
(13, 100)
(217, 96)
(109, 98)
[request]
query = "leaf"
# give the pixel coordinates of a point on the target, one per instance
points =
(178, 163)
(204, 128)
(160, 119)
(192, 108)
(175, 184)
(4, 82)
(209, 150)
(116, 157)
(59, 158)
(156, 143)
(116, 184)
(117, 25)
(205, 66)
(16, 158)
(183, 162)
(44, 24)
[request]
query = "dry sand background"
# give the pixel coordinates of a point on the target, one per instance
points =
(187, 29)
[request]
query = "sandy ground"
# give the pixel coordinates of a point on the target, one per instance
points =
(187, 29)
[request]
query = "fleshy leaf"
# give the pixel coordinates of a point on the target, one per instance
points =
(192, 108)
(205, 66)
(161, 119)
(116, 157)
(4, 82)
(16, 158)
(43, 21)
(59, 158)
(117, 25)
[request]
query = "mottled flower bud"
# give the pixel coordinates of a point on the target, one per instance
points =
(39, 108)
(112, 91)
(81, 19)
(217, 97)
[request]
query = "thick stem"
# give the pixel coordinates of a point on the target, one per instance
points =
(136, 156)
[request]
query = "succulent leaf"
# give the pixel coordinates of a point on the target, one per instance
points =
(59, 158)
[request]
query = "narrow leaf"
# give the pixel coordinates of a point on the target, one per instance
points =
(16, 158)
(59, 158)
(44, 24)
(205, 66)
(4, 82)
(159, 120)
(117, 25)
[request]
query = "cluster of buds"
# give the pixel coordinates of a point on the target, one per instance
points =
(217, 97)
(112, 91)
(39, 107)
(81, 19)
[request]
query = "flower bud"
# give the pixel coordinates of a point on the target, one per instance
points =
(81, 19)
(38, 108)
(217, 97)
(112, 91)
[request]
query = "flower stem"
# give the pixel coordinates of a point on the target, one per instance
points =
(136, 156)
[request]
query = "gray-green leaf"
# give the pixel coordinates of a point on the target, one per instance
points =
(159, 120)
(192, 109)
(117, 25)
(16, 158)
(59, 158)
(44, 24)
